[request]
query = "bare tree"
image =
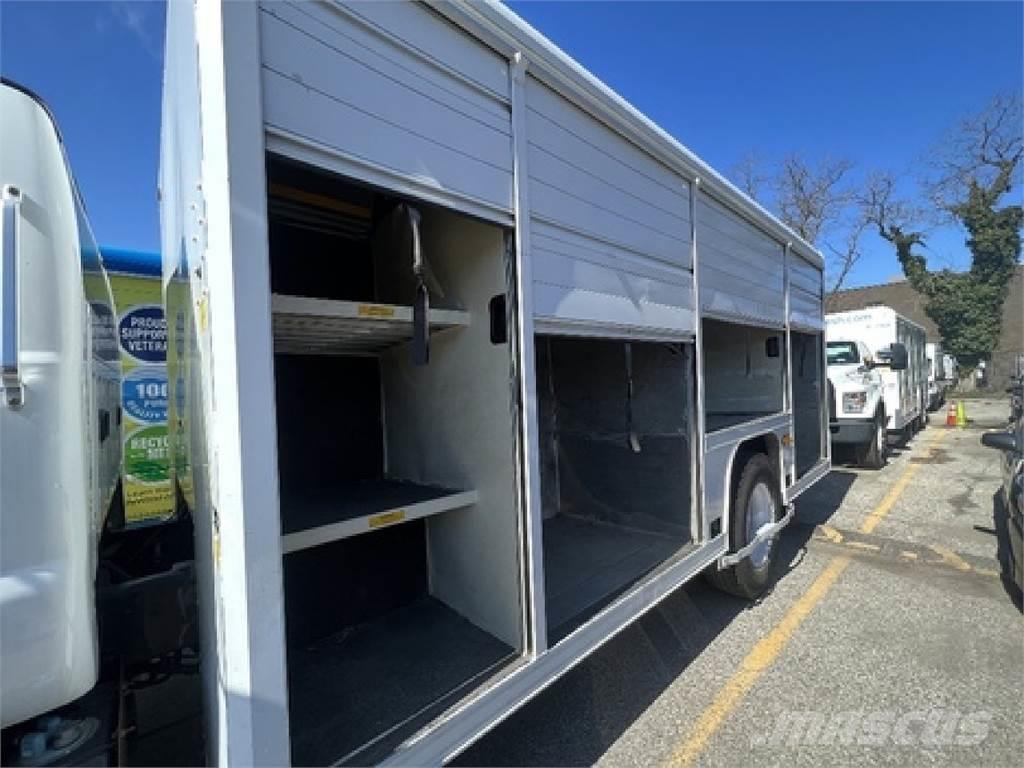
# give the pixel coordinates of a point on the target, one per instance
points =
(982, 157)
(892, 217)
(846, 255)
(750, 175)
(818, 201)
(812, 198)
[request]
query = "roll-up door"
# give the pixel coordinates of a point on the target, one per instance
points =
(805, 294)
(609, 228)
(740, 267)
(392, 94)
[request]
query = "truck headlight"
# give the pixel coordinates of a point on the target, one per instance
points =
(854, 402)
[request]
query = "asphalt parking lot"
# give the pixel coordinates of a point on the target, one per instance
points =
(890, 638)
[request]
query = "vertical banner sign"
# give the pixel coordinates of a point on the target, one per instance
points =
(145, 455)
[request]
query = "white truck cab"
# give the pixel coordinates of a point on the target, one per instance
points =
(857, 414)
(59, 417)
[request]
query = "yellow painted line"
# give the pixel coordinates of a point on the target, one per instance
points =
(988, 572)
(886, 504)
(754, 665)
(831, 534)
(863, 545)
(950, 558)
(909, 555)
(768, 648)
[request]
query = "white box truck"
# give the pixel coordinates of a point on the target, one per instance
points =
(878, 379)
(471, 364)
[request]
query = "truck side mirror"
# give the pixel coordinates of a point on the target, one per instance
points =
(1004, 441)
(895, 356)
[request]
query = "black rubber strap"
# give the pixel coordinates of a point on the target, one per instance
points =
(631, 437)
(421, 299)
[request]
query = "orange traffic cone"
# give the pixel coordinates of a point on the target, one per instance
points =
(951, 414)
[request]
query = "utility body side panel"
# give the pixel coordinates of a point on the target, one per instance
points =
(394, 90)
(805, 294)
(462, 106)
(220, 370)
(610, 229)
(741, 269)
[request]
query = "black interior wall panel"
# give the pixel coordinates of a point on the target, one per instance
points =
(807, 397)
(352, 581)
(588, 463)
(329, 428)
(319, 250)
(547, 416)
(590, 385)
(607, 481)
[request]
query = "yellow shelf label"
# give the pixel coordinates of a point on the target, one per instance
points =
(375, 310)
(387, 518)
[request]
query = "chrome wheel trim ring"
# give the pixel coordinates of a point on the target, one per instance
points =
(760, 511)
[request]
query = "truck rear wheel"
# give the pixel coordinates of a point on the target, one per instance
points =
(872, 455)
(755, 501)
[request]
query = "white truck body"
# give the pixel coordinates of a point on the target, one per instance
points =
(939, 375)
(950, 365)
(59, 418)
(607, 314)
(905, 393)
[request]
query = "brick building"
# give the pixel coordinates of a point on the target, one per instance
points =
(904, 299)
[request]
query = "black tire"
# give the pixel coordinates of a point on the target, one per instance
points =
(872, 455)
(745, 579)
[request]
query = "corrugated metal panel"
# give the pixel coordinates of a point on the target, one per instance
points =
(741, 267)
(586, 177)
(581, 283)
(805, 310)
(391, 86)
(805, 301)
(610, 225)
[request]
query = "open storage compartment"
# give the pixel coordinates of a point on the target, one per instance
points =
(616, 454)
(743, 379)
(808, 416)
(397, 462)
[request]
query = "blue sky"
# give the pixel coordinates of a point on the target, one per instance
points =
(878, 83)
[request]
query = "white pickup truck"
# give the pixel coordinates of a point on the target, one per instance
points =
(878, 380)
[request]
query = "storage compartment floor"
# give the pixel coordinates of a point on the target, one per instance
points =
(347, 689)
(346, 501)
(587, 564)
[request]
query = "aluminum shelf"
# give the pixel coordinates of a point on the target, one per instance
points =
(311, 326)
(355, 508)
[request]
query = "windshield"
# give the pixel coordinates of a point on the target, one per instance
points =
(842, 352)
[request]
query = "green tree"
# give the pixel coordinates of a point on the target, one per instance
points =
(973, 171)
